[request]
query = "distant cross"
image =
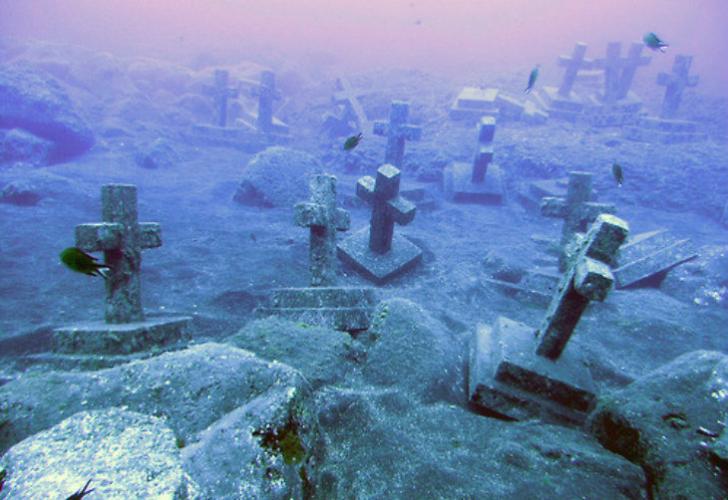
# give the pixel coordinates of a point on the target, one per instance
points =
(612, 66)
(576, 209)
(387, 206)
(675, 84)
(484, 151)
(397, 132)
(122, 239)
(634, 60)
(588, 278)
(573, 64)
(349, 98)
(221, 93)
(266, 93)
(324, 219)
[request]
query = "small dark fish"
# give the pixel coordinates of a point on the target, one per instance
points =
(617, 173)
(653, 41)
(77, 260)
(81, 493)
(253, 237)
(3, 473)
(707, 432)
(352, 142)
(532, 79)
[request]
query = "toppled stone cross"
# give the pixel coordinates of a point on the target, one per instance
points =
(573, 64)
(397, 131)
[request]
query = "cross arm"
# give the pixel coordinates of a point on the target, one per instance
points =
(309, 214)
(99, 236)
(403, 211)
(593, 279)
(583, 63)
(365, 188)
(150, 234)
(411, 132)
(342, 219)
(380, 128)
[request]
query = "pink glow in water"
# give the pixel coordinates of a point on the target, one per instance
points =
(499, 35)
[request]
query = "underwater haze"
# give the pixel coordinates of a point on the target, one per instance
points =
(402, 249)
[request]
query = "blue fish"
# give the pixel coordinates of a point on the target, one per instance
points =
(532, 79)
(653, 41)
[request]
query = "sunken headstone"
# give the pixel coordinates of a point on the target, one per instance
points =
(563, 102)
(221, 92)
(375, 251)
(125, 329)
(479, 181)
(473, 103)
(397, 131)
(347, 309)
(520, 373)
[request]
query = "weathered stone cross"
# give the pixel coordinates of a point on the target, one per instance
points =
(484, 152)
(587, 278)
(221, 93)
(573, 64)
(675, 84)
(634, 60)
(618, 71)
(324, 219)
(266, 93)
(349, 98)
(397, 132)
(387, 206)
(576, 209)
(122, 239)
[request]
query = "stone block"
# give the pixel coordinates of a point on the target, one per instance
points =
(472, 103)
(650, 254)
(458, 185)
(377, 267)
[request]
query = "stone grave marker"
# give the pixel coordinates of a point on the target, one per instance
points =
(375, 251)
(563, 102)
(575, 209)
(520, 373)
(479, 181)
(348, 97)
(397, 131)
(323, 303)
(125, 329)
(221, 92)
(264, 122)
(675, 84)
(473, 103)
(650, 255)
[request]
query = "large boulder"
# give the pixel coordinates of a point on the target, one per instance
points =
(123, 454)
(277, 177)
(666, 422)
(38, 104)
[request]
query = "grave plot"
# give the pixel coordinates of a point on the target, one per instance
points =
(473, 103)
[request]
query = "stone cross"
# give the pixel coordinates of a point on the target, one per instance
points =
(675, 84)
(221, 93)
(484, 151)
(587, 278)
(122, 239)
(324, 219)
(634, 60)
(349, 98)
(266, 93)
(612, 65)
(387, 206)
(397, 132)
(573, 64)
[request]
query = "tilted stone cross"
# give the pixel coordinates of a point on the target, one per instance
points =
(387, 206)
(324, 219)
(587, 278)
(397, 132)
(634, 60)
(484, 151)
(675, 84)
(576, 209)
(122, 239)
(266, 93)
(221, 92)
(349, 98)
(573, 64)
(612, 65)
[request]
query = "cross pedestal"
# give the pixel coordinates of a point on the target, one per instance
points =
(562, 102)
(121, 238)
(221, 92)
(480, 181)
(397, 131)
(473, 103)
(520, 373)
(323, 303)
(376, 251)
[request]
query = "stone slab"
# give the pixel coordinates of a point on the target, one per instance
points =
(536, 286)
(650, 255)
(534, 114)
(664, 131)
(278, 127)
(423, 194)
(567, 108)
(345, 309)
(99, 337)
(458, 187)
(509, 108)
(507, 378)
(474, 103)
(379, 268)
(625, 111)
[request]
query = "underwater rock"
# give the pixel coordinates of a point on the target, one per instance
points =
(321, 354)
(158, 154)
(117, 450)
(19, 193)
(198, 106)
(415, 352)
(444, 451)
(277, 177)
(150, 75)
(704, 281)
(38, 104)
(193, 388)
(19, 145)
(659, 422)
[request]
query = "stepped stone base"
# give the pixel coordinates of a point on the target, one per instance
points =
(473, 103)
(507, 378)
(99, 337)
(664, 131)
(458, 186)
(345, 309)
(568, 108)
(626, 111)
